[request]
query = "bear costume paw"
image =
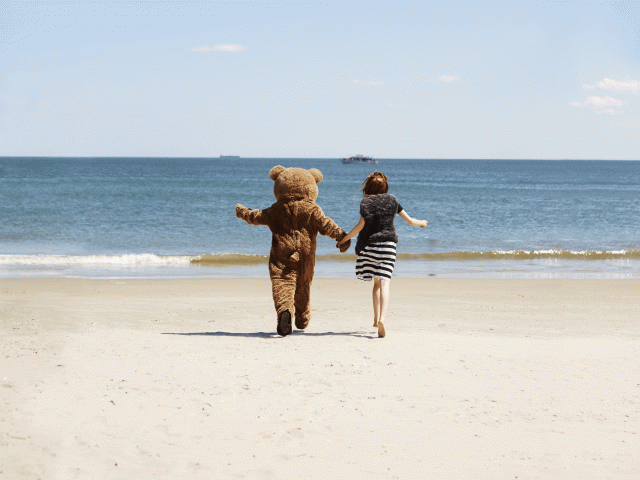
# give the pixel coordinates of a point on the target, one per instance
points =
(240, 210)
(345, 246)
(284, 323)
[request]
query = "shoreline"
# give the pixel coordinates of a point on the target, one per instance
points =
(344, 269)
(165, 378)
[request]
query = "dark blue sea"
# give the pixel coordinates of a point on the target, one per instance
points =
(174, 217)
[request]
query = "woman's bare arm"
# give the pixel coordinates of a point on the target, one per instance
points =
(412, 221)
(354, 231)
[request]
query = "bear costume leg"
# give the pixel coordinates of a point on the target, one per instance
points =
(283, 286)
(302, 301)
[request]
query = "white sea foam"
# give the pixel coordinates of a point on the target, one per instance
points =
(129, 260)
(564, 253)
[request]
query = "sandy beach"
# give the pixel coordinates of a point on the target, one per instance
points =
(165, 379)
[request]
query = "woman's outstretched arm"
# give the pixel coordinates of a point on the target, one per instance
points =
(354, 231)
(412, 221)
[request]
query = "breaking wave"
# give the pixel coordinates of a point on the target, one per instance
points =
(129, 260)
(226, 260)
(529, 255)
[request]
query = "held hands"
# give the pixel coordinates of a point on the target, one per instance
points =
(344, 244)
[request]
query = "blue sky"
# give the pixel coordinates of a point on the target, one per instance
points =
(539, 79)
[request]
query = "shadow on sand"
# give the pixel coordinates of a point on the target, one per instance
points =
(274, 334)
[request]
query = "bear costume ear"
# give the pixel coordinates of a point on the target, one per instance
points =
(316, 174)
(275, 171)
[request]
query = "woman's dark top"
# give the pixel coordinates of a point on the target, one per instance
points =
(379, 212)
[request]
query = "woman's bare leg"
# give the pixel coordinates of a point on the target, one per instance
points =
(376, 301)
(384, 302)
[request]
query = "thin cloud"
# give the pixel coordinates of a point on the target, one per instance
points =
(600, 102)
(229, 48)
(368, 83)
(627, 85)
(449, 79)
(608, 111)
(619, 85)
(601, 105)
(606, 105)
(219, 48)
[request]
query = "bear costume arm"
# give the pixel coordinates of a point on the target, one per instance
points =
(253, 217)
(329, 228)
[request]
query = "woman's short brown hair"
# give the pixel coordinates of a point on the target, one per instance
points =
(375, 184)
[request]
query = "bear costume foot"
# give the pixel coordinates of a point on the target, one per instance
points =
(284, 323)
(302, 323)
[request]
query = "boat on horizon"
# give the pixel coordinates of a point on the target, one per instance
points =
(358, 159)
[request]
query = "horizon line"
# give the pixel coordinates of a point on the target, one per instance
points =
(322, 158)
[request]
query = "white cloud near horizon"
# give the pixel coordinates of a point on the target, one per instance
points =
(368, 83)
(219, 48)
(615, 85)
(601, 105)
(608, 111)
(619, 85)
(607, 105)
(600, 102)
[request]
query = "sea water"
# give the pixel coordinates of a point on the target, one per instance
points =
(175, 217)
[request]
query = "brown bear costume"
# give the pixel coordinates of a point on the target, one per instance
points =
(295, 221)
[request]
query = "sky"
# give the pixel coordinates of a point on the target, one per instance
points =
(539, 79)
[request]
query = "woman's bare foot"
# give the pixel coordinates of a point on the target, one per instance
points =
(375, 323)
(381, 332)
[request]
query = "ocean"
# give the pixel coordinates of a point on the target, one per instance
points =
(175, 217)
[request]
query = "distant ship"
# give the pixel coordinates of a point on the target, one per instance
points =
(229, 156)
(358, 159)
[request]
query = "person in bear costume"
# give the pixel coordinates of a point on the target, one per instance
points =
(295, 221)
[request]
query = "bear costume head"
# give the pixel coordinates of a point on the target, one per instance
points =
(295, 183)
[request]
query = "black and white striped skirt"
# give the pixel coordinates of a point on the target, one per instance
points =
(376, 261)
